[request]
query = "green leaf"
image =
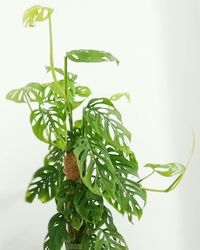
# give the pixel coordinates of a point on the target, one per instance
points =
(130, 198)
(96, 168)
(44, 184)
(91, 56)
(104, 235)
(118, 96)
(58, 70)
(65, 204)
(88, 204)
(33, 92)
(35, 14)
(82, 91)
(105, 120)
(49, 125)
(58, 233)
(167, 170)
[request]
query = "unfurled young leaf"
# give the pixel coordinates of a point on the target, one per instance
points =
(58, 233)
(44, 184)
(35, 14)
(91, 56)
(102, 116)
(167, 170)
(49, 125)
(118, 96)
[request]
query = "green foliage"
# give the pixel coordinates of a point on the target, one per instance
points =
(102, 116)
(58, 233)
(104, 235)
(101, 144)
(36, 14)
(49, 125)
(167, 170)
(91, 56)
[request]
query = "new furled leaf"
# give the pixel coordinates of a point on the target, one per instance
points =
(102, 116)
(91, 56)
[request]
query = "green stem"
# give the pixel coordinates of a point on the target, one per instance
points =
(144, 178)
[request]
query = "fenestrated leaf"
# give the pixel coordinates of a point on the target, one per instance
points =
(35, 14)
(105, 120)
(91, 56)
(130, 197)
(65, 204)
(88, 204)
(58, 233)
(33, 92)
(44, 184)
(167, 170)
(49, 125)
(82, 91)
(118, 96)
(96, 168)
(104, 235)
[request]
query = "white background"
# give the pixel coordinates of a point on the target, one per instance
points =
(158, 44)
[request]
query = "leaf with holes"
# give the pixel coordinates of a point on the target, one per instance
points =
(49, 125)
(44, 184)
(91, 56)
(104, 235)
(32, 92)
(88, 204)
(58, 233)
(96, 168)
(35, 14)
(105, 120)
(167, 170)
(130, 198)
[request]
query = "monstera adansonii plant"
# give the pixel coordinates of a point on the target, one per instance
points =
(89, 161)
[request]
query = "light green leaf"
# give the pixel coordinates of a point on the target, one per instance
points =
(118, 96)
(35, 14)
(96, 168)
(167, 170)
(33, 92)
(58, 233)
(91, 56)
(105, 120)
(88, 204)
(82, 91)
(44, 184)
(58, 70)
(49, 125)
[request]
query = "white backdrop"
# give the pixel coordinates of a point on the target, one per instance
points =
(158, 44)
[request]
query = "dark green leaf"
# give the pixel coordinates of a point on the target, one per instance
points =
(88, 204)
(58, 233)
(49, 125)
(105, 120)
(91, 56)
(35, 14)
(44, 184)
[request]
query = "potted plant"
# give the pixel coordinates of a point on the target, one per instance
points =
(88, 160)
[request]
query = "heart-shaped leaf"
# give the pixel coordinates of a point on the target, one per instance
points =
(91, 56)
